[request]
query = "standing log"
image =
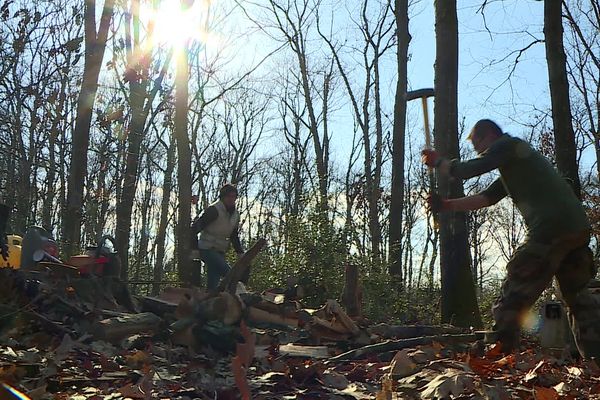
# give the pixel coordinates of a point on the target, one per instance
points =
(351, 294)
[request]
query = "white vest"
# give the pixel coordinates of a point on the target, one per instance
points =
(216, 235)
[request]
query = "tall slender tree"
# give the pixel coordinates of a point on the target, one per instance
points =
(459, 301)
(564, 136)
(95, 44)
(398, 138)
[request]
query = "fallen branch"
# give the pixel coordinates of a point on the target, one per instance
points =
(393, 345)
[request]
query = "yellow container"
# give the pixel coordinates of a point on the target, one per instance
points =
(14, 252)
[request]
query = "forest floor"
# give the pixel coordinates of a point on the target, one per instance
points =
(52, 349)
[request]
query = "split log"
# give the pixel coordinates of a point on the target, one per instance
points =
(351, 294)
(410, 331)
(292, 350)
(395, 345)
(258, 315)
(157, 306)
(117, 328)
(333, 307)
(240, 267)
(224, 307)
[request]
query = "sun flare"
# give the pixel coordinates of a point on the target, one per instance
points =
(175, 26)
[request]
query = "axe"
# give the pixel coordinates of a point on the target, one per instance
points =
(423, 94)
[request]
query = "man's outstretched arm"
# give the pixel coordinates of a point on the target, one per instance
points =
(490, 196)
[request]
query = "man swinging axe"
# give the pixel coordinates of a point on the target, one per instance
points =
(558, 232)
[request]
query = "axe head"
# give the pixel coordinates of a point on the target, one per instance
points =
(417, 94)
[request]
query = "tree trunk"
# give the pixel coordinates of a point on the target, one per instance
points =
(184, 168)
(397, 189)
(459, 302)
(164, 215)
(564, 136)
(95, 45)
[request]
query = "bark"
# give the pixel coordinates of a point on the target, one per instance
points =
(138, 60)
(184, 168)
(95, 44)
(459, 302)
(399, 131)
(564, 136)
(351, 294)
(164, 215)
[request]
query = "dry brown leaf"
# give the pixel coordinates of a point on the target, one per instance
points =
(239, 374)
(495, 351)
(387, 390)
(138, 359)
(543, 393)
(481, 366)
(402, 365)
(452, 382)
(334, 380)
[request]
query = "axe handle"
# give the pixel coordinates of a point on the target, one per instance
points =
(426, 122)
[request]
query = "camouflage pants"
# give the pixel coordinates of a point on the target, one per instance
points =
(530, 272)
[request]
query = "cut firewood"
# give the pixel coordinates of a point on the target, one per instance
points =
(293, 350)
(393, 345)
(224, 307)
(117, 328)
(238, 270)
(156, 305)
(258, 315)
(334, 308)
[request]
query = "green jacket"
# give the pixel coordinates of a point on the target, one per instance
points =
(544, 198)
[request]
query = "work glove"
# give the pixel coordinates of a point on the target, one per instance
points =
(436, 204)
(431, 158)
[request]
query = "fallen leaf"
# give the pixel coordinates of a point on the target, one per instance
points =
(495, 351)
(138, 359)
(533, 374)
(402, 365)
(543, 393)
(575, 371)
(334, 380)
(561, 388)
(452, 383)
(239, 374)
(481, 366)
(387, 390)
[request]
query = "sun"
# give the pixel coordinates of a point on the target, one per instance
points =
(174, 26)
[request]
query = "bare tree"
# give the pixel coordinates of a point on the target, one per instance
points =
(455, 260)
(564, 136)
(95, 44)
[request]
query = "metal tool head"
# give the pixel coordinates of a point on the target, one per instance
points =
(418, 94)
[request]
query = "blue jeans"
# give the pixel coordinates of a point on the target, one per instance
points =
(216, 267)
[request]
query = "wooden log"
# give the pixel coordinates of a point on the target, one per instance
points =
(394, 345)
(224, 307)
(229, 282)
(156, 305)
(334, 308)
(409, 331)
(117, 328)
(351, 294)
(258, 315)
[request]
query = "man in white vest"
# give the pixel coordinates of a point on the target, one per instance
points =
(219, 228)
